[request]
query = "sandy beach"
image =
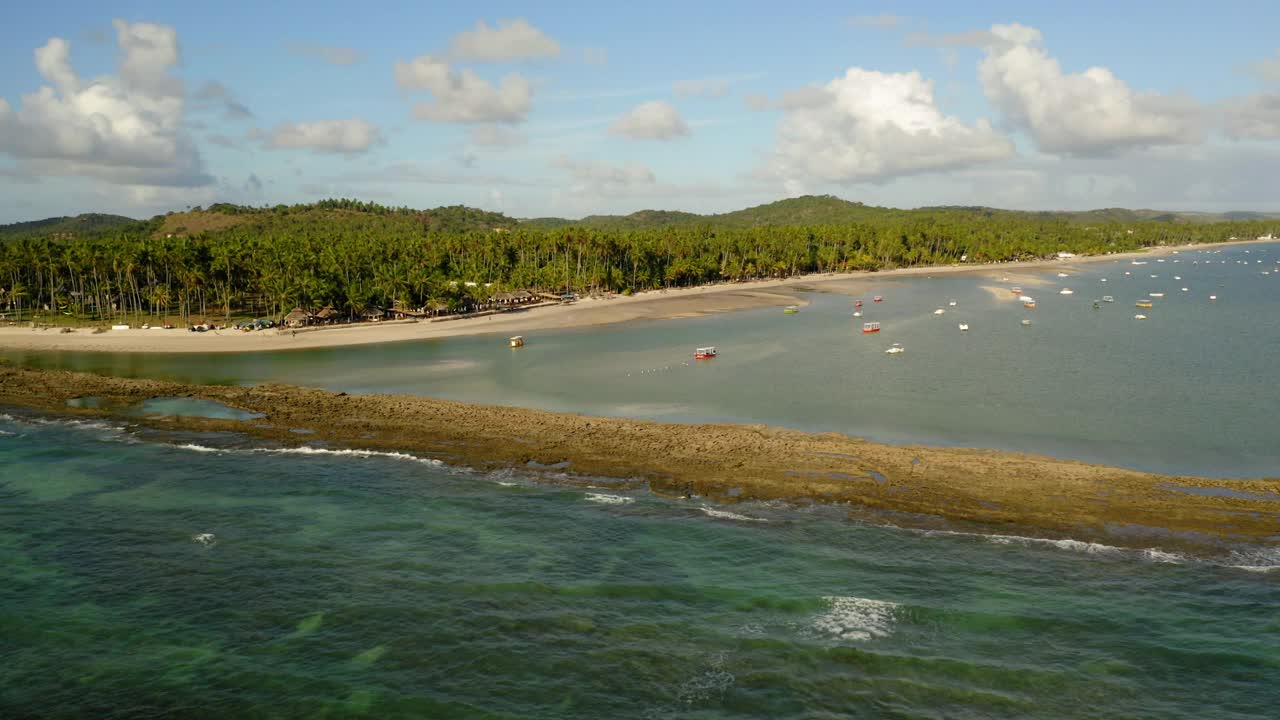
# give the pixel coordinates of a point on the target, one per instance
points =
(653, 305)
(726, 462)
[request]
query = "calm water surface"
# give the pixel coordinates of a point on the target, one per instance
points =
(1190, 390)
(338, 585)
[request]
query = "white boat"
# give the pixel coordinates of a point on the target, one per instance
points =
(1139, 317)
(1156, 294)
(1108, 298)
(1026, 322)
(1138, 262)
(1063, 275)
(952, 303)
(857, 313)
(1103, 280)
(939, 311)
(1177, 277)
(1213, 297)
(704, 353)
(1066, 291)
(964, 326)
(895, 349)
(1184, 289)
(1028, 300)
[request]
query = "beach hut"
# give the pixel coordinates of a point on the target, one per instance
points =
(373, 314)
(297, 317)
(327, 315)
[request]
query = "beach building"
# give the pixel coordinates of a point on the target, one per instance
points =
(297, 317)
(326, 316)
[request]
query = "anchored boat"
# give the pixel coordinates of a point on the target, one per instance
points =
(870, 327)
(791, 309)
(704, 353)
(516, 341)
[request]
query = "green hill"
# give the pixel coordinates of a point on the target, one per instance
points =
(85, 224)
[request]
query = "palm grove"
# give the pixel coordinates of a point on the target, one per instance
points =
(233, 261)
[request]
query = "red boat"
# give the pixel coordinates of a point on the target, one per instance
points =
(870, 327)
(857, 303)
(877, 298)
(1016, 291)
(704, 353)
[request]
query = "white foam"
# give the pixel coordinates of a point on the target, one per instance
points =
(1161, 556)
(606, 499)
(316, 451)
(855, 618)
(726, 515)
(205, 539)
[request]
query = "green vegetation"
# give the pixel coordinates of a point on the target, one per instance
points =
(355, 256)
(88, 223)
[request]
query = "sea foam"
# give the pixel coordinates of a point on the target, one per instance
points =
(726, 515)
(315, 451)
(855, 618)
(606, 499)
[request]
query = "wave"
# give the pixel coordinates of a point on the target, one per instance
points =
(855, 618)
(304, 450)
(726, 515)
(1261, 560)
(607, 499)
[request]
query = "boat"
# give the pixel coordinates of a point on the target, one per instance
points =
(1026, 322)
(1213, 297)
(857, 303)
(791, 309)
(857, 313)
(1016, 290)
(1186, 289)
(704, 353)
(877, 299)
(895, 349)
(1177, 277)
(1096, 305)
(1108, 298)
(1103, 280)
(1063, 275)
(1143, 304)
(1066, 291)
(1029, 305)
(516, 341)
(939, 311)
(964, 327)
(1138, 262)
(870, 327)
(951, 303)
(1156, 295)
(1139, 317)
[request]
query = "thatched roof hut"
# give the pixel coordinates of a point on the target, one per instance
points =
(297, 317)
(327, 313)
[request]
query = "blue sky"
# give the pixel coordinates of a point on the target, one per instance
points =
(144, 107)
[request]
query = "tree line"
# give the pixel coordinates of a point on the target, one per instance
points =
(352, 258)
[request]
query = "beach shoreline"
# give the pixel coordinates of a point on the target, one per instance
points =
(715, 461)
(651, 305)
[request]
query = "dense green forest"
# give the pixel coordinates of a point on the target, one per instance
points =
(236, 261)
(86, 224)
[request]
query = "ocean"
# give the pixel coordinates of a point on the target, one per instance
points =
(203, 577)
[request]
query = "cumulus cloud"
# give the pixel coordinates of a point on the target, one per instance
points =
(215, 95)
(347, 137)
(125, 129)
(508, 40)
(496, 136)
(595, 56)
(883, 21)
(1253, 117)
(1088, 113)
(708, 88)
(871, 126)
(332, 54)
(463, 96)
(653, 120)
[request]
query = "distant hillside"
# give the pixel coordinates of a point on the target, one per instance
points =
(222, 216)
(64, 226)
(830, 210)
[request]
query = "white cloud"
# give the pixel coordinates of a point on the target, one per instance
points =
(603, 177)
(463, 96)
(496, 136)
(348, 137)
(1088, 113)
(125, 129)
(1253, 117)
(882, 21)
(870, 126)
(653, 120)
(595, 56)
(215, 95)
(509, 40)
(708, 88)
(332, 54)
(1266, 69)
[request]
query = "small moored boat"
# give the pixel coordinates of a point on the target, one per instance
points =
(857, 313)
(964, 327)
(951, 303)
(791, 309)
(1143, 304)
(1108, 298)
(1066, 291)
(877, 299)
(516, 341)
(857, 303)
(1026, 322)
(939, 311)
(895, 349)
(870, 327)
(1139, 317)
(1156, 295)
(704, 353)
(1016, 290)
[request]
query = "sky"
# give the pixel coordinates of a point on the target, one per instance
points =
(570, 109)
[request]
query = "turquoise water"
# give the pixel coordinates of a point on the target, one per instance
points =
(1190, 390)
(349, 585)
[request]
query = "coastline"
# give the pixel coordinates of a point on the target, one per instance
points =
(916, 485)
(651, 305)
